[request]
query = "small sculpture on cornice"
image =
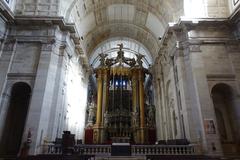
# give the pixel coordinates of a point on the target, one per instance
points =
(121, 59)
(102, 59)
(120, 46)
(139, 59)
(151, 115)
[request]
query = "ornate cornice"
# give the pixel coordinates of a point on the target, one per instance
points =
(5, 13)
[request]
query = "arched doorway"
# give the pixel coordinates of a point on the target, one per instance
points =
(16, 117)
(223, 98)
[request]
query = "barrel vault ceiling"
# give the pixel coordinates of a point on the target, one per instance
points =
(142, 20)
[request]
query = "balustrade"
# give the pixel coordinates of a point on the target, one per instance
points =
(136, 150)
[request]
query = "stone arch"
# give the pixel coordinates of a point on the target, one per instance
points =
(69, 10)
(226, 111)
(16, 115)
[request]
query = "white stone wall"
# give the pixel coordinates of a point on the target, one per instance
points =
(217, 8)
(37, 7)
(25, 52)
(45, 58)
(205, 54)
(206, 8)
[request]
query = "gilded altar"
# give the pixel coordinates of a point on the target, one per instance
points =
(120, 110)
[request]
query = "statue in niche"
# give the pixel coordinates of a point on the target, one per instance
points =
(151, 116)
(135, 119)
(106, 116)
(91, 114)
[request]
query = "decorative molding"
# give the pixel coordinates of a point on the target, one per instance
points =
(229, 77)
(194, 48)
(23, 20)
(20, 75)
(5, 13)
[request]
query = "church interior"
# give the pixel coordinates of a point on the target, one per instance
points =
(120, 79)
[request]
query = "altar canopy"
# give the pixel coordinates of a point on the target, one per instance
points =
(121, 114)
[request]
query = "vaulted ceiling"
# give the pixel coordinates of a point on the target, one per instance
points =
(142, 20)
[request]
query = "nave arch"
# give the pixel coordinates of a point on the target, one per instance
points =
(226, 106)
(15, 113)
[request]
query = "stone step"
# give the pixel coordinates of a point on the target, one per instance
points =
(121, 158)
(5, 157)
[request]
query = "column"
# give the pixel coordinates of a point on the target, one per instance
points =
(55, 124)
(134, 91)
(6, 58)
(97, 127)
(99, 98)
(163, 103)
(203, 107)
(105, 90)
(42, 97)
(104, 101)
(134, 106)
(141, 105)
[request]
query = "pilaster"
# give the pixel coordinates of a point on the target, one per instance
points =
(43, 91)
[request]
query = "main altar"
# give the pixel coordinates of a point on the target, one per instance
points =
(120, 114)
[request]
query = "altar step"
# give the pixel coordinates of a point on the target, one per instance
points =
(3, 157)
